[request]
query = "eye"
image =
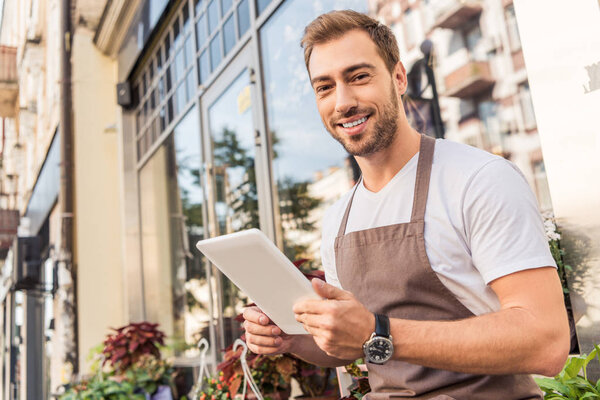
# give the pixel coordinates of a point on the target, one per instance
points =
(361, 76)
(322, 88)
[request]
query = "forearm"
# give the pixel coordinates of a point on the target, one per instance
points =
(304, 347)
(511, 340)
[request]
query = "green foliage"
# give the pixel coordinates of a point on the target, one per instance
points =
(102, 388)
(572, 382)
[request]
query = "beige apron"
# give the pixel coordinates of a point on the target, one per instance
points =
(387, 269)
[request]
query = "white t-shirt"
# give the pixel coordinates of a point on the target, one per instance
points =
(481, 222)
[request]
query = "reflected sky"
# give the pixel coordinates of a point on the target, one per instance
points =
(304, 144)
(189, 158)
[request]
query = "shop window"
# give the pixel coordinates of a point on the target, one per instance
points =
(171, 201)
(310, 169)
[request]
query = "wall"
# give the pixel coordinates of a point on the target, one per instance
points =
(98, 219)
(562, 53)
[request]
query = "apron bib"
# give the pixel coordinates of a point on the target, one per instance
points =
(387, 269)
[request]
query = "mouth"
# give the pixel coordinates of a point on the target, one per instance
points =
(354, 127)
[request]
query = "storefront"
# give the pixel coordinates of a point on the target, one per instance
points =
(222, 135)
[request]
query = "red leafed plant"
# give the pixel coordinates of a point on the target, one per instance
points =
(130, 342)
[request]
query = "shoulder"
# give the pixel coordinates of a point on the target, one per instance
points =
(461, 160)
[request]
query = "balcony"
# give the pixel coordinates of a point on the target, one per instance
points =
(469, 80)
(455, 13)
(9, 86)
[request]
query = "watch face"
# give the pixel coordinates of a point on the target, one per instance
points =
(379, 349)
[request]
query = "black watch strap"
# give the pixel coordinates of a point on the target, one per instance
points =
(382, 325)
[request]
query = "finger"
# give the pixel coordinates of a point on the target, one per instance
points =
(254, 314)
(256, 329)
(264, 341)
(311, 306)
(313, 321)
(328, 291)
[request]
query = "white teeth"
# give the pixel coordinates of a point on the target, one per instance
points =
(357, 122)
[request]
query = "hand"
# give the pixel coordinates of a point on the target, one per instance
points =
(263, 336)
(339, 323)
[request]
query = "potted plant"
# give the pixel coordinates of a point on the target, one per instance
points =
(132, 367)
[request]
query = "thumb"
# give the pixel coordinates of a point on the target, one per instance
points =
(328, 291)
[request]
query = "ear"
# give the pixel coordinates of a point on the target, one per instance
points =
(399, 78)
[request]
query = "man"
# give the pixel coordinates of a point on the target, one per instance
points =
(438, 270)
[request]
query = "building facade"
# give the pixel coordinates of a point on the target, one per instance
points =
(193, 119)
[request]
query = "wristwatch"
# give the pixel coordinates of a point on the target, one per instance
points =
(379, 348)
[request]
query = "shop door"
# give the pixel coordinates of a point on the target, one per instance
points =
(233, 175)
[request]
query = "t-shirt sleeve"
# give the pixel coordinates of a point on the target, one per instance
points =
(503, 225)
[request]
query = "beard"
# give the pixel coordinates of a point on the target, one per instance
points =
(384, 130)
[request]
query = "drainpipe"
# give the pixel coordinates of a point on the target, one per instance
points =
(66, 193)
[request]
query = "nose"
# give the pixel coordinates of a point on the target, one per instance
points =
(345, 99)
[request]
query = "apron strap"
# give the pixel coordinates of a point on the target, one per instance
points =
(422, 181)
(342, 230)
(421, 184)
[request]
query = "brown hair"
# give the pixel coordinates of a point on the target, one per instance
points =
(335, 24)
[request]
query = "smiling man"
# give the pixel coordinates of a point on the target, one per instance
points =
(438, 271)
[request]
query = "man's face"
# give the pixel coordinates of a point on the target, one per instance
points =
(357, 97)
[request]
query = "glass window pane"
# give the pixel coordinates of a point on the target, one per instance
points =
(168, 78)
(189, 51)
(159, 61)
(201, 34)
(198, 6)
(181, 101)
(308, 165)
(235, 190)
(226, 5)
(203, 67)
(190, 83)
(179, 66)
(261, 5)
(167, 46)
(243, 17)
(186, 18)
(229, 34)
(176, 33)
(213, 16)
(170, 110)
(171, 202)
(215, 51)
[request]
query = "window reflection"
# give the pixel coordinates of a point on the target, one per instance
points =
(310, 168)
(175, 279)
(236, 199)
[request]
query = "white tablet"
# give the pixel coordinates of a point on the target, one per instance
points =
(255, 265)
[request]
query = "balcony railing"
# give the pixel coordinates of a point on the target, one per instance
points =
(455, 13)
(8, 81)
(469, 80)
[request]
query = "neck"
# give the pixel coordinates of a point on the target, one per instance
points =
(379, 168)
